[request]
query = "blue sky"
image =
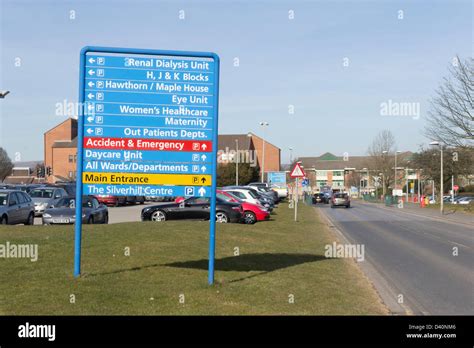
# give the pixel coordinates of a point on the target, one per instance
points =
(282, 62)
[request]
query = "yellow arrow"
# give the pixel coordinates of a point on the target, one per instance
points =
(145, 179)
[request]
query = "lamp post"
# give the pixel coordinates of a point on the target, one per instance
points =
(441, 190)
(263, 124)
(395, 178)
(384, 152)
(291, 155)
(237, 162)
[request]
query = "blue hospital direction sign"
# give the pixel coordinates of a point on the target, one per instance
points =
(148, 127)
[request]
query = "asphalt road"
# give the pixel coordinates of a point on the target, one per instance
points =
(411, 255)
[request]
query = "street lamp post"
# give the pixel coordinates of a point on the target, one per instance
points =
(441, 189)
(291, 155)
(263, 124)
(395, 178)
(237, 162)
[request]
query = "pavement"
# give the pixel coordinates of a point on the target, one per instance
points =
(409, 252)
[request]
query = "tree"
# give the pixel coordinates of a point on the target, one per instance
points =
(456, 162)
(451, 117)
(6, 164)
(226, 174)
(381, 160)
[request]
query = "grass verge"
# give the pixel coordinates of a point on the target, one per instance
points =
(260, 269)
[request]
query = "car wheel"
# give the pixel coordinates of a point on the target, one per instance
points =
(348, 206)
(106, 220)
(222, 217)
(158, 215)
(90, 220)
(332, 206)
(4, 220)
(31, 219)
(117, 203)
(250, 218)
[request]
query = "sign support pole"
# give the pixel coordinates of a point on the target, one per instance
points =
(212, 213)
(80, 137)
(296, 198)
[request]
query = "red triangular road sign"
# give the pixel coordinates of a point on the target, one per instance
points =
(297, 171)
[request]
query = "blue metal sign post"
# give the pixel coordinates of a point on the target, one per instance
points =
(148, 127)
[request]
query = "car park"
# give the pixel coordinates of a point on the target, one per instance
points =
(135, 199)
(252, 212)
(196, 208)
(340, 199)
(46, 197)
(16, 207)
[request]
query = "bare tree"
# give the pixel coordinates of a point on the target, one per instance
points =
(6, 164)
(381, 156)
(451, 117)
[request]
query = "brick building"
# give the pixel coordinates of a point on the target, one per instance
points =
(60, 151)
(252, 144)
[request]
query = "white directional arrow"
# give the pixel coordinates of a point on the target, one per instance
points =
(90, 107)
(202, 191)
(203, 157)
(91, 72)
(91, 60)
(204, 146)
(89, 130)
(90, 119)
(203, 169)
(90, 96)
(91, 84)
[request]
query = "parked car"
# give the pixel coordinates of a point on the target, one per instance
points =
(46, 197)
(464, 200)
(320, 198)
(69, 187)
(340, 199)
(111, 200)
(252, 212)
(282, 191)
(247, 196)
(135, 199)
(266, 191)
(16, 207)
(64, 212)
(194, 208)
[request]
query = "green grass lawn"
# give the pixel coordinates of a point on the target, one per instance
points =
(278, 259)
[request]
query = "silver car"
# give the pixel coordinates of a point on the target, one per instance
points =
(46, 197)
(16, 207)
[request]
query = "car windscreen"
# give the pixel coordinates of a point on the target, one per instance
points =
(253, 194)
(340, 195)
(71, 203)
(3, 198)
(224, 197)
(41, 193)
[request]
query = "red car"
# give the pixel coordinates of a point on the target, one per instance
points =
(111, 200)
(252, 212)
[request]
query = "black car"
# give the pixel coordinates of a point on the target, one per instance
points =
(64, 212)
(194, 208)
(320, 198)
(70, 188)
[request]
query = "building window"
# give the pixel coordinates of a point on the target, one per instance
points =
(70, 174)
(71, 158)
(337, 173)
